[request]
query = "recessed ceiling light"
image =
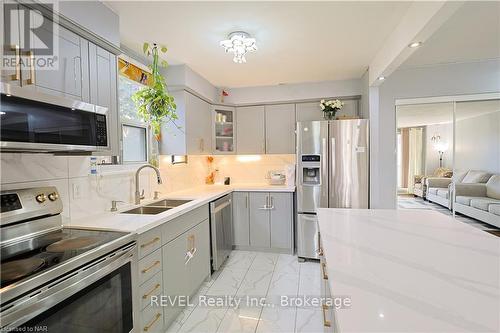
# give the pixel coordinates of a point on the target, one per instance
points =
(381, 78)
(414, 45)
(239, 43)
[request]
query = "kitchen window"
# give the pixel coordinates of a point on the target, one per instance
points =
(135, 134)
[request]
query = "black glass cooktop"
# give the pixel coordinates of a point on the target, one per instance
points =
(32, 256)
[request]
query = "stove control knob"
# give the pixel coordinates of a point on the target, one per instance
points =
(40, 198)
(53, 196)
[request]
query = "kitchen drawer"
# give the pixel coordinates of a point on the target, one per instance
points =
(149, 266)
(151, 319)
(149, 241)
(183, 223)
(152, 287)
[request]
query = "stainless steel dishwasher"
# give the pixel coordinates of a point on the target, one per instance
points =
(221, 230)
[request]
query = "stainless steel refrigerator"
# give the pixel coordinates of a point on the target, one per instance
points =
(332, 171)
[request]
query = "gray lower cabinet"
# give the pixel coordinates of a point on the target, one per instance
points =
(241, 218)
(263, 220)
(174, 260)
(175, 275)
(186, 266)
(260, 232)
(281, 217)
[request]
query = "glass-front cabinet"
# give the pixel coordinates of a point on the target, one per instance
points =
(224, 136)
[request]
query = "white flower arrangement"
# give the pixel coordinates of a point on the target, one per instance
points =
(330, 108)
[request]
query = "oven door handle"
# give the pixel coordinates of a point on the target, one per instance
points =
(39, 300)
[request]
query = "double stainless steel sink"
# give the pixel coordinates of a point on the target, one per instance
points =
(156, 207)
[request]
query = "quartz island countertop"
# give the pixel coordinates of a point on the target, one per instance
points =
(137, 223)
(411, 271)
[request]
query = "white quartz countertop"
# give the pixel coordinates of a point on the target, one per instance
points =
(411, 271)
(141, 223)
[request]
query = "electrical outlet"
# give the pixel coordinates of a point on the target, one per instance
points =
(77, 191)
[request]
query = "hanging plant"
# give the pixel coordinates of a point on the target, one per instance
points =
(154, 103)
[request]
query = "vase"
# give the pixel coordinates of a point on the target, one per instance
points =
(329, 115)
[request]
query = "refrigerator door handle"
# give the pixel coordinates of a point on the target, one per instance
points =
(333, 159)
(324, 165)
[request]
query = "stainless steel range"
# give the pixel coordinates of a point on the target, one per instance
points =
(58, 279)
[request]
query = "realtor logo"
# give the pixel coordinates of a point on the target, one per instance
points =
(30, 37)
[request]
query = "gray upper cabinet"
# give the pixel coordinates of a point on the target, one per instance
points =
(260, 233)
(241, 219)
(311, 111)
(103, 88)
(70, 75)
(250, 130)
(280, 129)
(70, 78)
(191, 134)
(281, 211)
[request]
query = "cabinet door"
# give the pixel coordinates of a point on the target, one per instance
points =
(71, 76)
(350, 109)
(308, 111)
(280, 129)
(259, 220)
(11, 48)
(198, 125)
(281, 220)
(199, 265)
(224, 122)
(175, 274)
(250, 130)
(241, 218)
(103, 88)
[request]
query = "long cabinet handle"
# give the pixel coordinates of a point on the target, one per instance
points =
(155, 319)
(154, 240)
(145, 270)
(326, 323)
(323, 271)
(146, 295)
(17, 76)
(31, 55)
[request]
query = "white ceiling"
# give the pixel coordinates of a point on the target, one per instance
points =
(471, 34)
(298, 41)
(442, 113)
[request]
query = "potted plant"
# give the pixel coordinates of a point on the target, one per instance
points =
(154, 103)
(330, 108)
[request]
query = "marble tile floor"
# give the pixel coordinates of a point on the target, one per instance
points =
(411, 202)
(264, 277)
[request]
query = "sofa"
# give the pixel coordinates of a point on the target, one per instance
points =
(480, 200)
(420, 181)
(440, 189)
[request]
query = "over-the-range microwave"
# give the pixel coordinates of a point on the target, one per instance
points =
(32, 121)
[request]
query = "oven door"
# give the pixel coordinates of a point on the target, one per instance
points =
(94, 298)
(34, 121)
